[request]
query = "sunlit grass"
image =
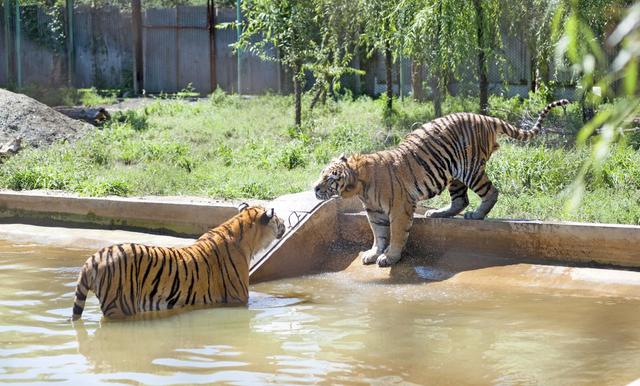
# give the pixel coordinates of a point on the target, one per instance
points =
(232, 147)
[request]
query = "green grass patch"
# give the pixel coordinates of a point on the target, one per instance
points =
(227, 146)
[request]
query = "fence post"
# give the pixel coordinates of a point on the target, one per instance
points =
(7, 40)
(70, 44)
(138, 68)
(238, 51)
(18, 36)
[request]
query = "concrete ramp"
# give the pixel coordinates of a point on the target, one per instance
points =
(311, 231)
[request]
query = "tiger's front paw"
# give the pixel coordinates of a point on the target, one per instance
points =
(385, 260)
(370, 256)
(473, 216)
(439, 213)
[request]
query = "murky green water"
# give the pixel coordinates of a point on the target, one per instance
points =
(322, 329)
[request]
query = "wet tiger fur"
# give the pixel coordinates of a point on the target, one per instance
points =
(449, 152)
(130, 278)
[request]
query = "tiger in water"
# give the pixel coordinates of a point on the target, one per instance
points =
(449, 152)
(131, 278)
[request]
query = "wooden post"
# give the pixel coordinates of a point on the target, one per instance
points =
(211, 26)
(138, 67)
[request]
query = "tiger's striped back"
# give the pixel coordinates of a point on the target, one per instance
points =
(133, 278)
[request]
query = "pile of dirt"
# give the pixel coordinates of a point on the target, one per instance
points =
(36, 123)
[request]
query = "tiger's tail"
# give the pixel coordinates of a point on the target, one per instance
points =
(85, 283)
(525, 135)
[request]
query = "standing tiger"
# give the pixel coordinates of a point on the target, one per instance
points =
(130, 278)
(449, 152)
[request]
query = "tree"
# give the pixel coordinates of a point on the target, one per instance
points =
(533, 19)
(438, 37)
(339, 33)
(380, 35)
(488, 20)
(580, 28)
(291, 26)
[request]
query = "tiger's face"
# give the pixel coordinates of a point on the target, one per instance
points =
(335, 179)
(268, 219)
(276, 224)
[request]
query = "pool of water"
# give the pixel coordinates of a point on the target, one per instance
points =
(324, 328)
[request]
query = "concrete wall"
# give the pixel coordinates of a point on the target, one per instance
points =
(157, 215)
(603, 244)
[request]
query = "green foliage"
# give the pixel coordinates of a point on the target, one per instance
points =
(93, 97)
(293, 155)
(203, 148)
(581, 26)
(50, 32)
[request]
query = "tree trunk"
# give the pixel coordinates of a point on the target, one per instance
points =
(533, 75)
(416, 80)
(316, 98)
(388, 63)
(297, 90)
(437, 96)
(436, 81)
(482, 62)
(399, 76)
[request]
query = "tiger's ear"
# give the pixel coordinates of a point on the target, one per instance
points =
(242, 206)
(343, 157)
(266, 217)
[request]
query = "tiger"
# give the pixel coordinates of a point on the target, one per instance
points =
(129, 279)
(449, 152)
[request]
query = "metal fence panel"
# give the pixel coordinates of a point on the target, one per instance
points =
(102, 42)
(160, 50)
(176, 50)
(193, 49)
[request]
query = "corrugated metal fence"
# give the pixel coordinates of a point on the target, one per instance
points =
(177, 53)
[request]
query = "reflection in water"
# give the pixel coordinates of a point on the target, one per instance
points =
(318, 329)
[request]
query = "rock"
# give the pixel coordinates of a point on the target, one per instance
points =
(10, 148)
(35, 123)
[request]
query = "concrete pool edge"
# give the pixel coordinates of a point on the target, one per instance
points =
(170, 216)
(604, 244)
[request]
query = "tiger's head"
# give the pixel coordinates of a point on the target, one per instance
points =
(272, 225)
(339, 178)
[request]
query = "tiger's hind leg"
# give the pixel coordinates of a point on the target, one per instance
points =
(459, 201)
(488, 194)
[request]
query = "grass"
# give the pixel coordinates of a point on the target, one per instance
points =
(232, 147)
